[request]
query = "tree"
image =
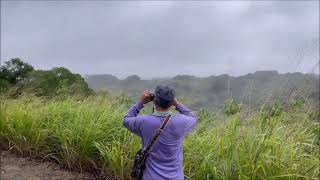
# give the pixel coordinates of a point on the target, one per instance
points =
(15, 70)
(58, 81)
(17, 77)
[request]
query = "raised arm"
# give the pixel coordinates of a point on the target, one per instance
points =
(132, 121)
(190, 118)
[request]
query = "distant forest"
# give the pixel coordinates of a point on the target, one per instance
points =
(213, 91)
(251, 90)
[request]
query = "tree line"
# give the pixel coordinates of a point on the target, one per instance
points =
(18, 77)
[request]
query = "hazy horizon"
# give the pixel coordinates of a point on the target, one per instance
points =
(160, 39)
(164, 77)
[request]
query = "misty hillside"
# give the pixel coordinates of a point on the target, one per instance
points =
(212, 91)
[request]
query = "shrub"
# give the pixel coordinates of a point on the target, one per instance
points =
(232, 107)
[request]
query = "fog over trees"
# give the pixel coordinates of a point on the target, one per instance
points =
(254, 88)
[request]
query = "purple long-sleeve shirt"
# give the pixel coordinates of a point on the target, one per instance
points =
(165, 158)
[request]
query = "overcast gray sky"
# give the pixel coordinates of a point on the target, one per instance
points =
(162, 38)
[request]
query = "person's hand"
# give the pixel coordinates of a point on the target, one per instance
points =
(175, 102)
(146, 97)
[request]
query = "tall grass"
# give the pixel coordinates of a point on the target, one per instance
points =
(88, 135)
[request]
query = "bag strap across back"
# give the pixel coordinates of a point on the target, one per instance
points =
(159, 132)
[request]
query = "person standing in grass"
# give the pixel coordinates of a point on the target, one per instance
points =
(165, 158)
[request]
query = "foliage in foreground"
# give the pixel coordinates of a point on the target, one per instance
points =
(89, 135)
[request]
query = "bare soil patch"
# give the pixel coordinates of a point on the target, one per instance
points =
(14, 167)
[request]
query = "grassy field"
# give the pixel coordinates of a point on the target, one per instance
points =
(88, 135)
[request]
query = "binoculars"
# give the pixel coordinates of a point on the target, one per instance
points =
(152, 97)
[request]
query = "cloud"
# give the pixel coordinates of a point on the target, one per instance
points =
(160, 38)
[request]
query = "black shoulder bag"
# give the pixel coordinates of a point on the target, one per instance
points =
(141, 155)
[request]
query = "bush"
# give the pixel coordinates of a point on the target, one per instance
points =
(232, 107)
(268, 111)
(297, 104)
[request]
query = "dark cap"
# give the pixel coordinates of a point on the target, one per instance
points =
(164, 96)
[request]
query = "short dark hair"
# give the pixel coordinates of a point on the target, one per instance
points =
(164, 96)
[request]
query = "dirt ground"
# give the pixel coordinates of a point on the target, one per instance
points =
(19, 168)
